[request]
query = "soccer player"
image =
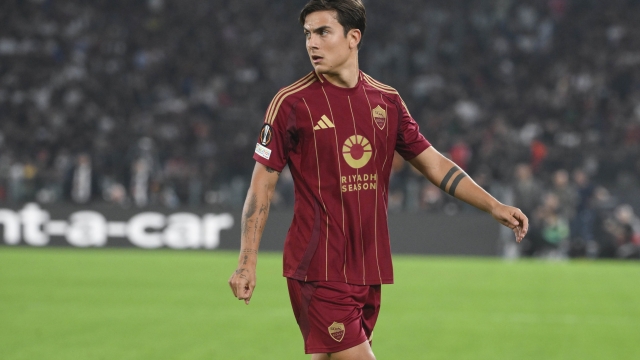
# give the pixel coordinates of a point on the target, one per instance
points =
(337, 129)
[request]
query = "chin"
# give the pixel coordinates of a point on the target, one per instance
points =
(320, 69)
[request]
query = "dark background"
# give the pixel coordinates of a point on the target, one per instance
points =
(158, 103)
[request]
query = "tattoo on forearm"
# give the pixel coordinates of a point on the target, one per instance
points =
(256, 226)
(250, 251)
(271, 171)
(445, 181)
(256, 223)
(259, 222)
(454, 184)
(251, 209)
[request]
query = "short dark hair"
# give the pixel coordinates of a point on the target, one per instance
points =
(351, 13)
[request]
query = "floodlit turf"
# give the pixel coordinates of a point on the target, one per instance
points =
(134, 304)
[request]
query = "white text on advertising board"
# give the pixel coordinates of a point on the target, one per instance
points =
(86, 228)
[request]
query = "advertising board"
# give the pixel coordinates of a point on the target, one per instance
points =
(200, 228)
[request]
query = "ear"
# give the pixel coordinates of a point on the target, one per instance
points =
(354, 36)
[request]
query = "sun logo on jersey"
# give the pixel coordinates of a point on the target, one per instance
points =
(357, 151)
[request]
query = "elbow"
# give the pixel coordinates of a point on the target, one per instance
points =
(270, 192)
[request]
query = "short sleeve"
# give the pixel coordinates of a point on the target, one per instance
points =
(409, 142)
(272, 147)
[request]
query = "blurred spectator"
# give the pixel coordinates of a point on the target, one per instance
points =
(551, 234)
(623, 232)
(583, 225)
(566, 194)
(519, 91)
(432, 198)
(527, 190)
(82, 181)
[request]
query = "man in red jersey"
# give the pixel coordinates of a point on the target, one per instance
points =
(337, 129)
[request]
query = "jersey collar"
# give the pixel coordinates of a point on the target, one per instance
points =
(330, 88)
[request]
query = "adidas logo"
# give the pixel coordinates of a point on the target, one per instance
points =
(324, 123)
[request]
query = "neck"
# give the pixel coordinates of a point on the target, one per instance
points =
(346, 76)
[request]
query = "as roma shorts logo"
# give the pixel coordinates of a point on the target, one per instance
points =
(379, 116)
(357, 151)
(336, 330)
(266, 135)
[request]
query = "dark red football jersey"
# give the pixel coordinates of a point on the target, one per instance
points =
(339, 144)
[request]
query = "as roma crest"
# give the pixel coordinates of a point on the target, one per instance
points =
(336, 330)
(380, 117)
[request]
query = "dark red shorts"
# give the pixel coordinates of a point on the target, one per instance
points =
(334, 316)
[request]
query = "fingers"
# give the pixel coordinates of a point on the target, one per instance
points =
(522, 219)
(522, 224)
(233, 283)
(241, 286)
(233, 288)
(237, 283)
(247, 295)
(514, 219)
(246, 292)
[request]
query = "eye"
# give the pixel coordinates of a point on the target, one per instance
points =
(325, 32)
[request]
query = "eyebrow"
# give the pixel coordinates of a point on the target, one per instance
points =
(319, 29)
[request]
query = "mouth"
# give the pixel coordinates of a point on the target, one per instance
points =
(316, 58)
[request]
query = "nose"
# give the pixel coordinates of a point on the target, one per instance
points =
(312, 42)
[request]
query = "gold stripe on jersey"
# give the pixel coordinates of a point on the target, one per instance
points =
(364, 268)
(378, 84)
(375, 161)
(385, 88)
(273, 107)
(386, 108)
(335, 133)
(303, 86)
(324, 207)
(279, 93)
(283, 90)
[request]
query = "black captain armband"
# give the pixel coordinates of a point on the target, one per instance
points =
(455, 182)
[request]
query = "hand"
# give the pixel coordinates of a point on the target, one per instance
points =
(242, 282)
(512, 218)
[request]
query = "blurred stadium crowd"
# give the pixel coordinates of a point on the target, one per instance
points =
(159, 102)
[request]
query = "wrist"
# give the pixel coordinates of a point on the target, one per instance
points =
(247, 261)
(493, 206)
(248, 257)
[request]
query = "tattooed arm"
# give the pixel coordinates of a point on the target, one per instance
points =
(450, 178)
(254, 217)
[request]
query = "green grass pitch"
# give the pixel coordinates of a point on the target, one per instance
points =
(134, 304)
